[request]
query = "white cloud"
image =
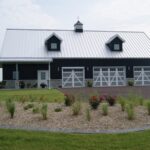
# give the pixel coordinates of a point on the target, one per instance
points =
(23, 14)
(120, 15)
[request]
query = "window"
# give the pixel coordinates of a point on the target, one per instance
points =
(53, 45)
(15, 75)
(43, 75)
(116, 47)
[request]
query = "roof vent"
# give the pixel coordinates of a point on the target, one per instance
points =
(78, 27)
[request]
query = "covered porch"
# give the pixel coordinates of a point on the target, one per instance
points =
(27, 74)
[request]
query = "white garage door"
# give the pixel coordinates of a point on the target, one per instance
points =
(73, 77)
(142, 76)
(109, 76)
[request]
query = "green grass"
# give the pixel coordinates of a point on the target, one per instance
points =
(51, 95)
(27, 140)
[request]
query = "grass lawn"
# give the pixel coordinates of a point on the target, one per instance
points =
(51, 95)
(27, 140)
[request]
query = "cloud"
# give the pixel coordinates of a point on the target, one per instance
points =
(23, 14)
(121, 15)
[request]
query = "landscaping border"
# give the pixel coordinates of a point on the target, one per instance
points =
(77, 131)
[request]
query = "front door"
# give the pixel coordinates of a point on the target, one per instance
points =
(43, 78)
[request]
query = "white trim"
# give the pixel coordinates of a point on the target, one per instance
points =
(49, 75)
(44, 81)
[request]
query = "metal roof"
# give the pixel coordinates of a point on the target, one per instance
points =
(29, 45)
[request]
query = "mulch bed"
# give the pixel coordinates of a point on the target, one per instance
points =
(116, 119)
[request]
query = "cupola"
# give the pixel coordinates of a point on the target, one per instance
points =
(78, 27)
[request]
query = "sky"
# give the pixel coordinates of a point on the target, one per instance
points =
(131, 15)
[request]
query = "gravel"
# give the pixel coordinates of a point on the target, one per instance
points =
(64, 120)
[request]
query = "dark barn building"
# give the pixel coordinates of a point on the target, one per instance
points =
(70, 58)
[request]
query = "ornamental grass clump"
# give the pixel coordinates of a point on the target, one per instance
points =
(10, 105)
(76, 108)
(44, 111)
(141, 101)
(130, 111)
(105, 109)
(148, 107)
(94, 102)
(28, 106)
(122, 102)
(88, 114)
(69, 99)
(36, 110)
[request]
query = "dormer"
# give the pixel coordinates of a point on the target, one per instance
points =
(78, 27)
(115, 43)
(53, 43)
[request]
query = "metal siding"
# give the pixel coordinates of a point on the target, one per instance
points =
(90, 63)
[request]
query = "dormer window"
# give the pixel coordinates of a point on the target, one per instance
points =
(115, 43)
(116, 47)
(53, 43)
(54, 46)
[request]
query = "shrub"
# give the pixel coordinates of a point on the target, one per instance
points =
(102, 98)
(130, 83)
(28, 106)
(94, 102)
(148, 107)
(58, 109)
(76, 108)
(130, 111)
(28, 85)
(105, 109)
(88, 114)
(111, 100)
(43, 85)
(21, 84)
(122, 103)
(44, 111)
(36, 110)
(69, 99)
(89, 84)
(10, 107)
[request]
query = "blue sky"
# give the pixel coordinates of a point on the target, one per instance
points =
(62, 14)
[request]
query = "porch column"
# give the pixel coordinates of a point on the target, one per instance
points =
(49, 75)
(17, 78)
